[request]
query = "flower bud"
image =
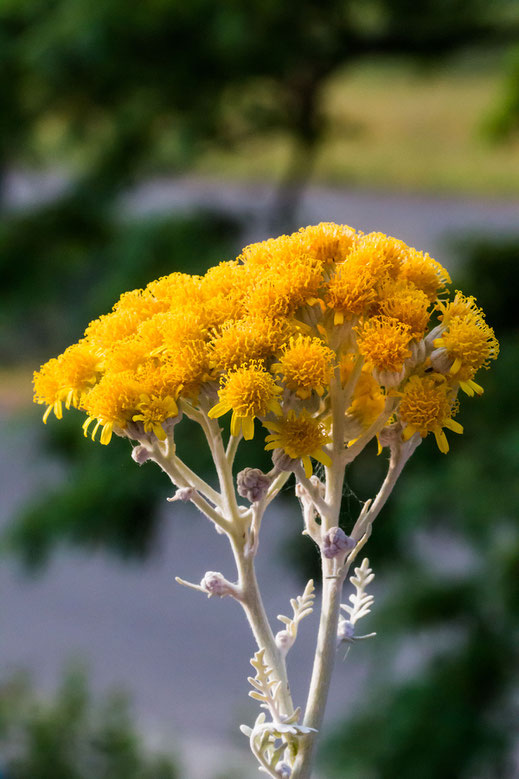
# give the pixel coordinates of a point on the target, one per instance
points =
(418, 353)
(252, 484)
(388, 378)
(214, 583)
(440, 360)
(140, 454)
(433, 335)
(183, 493)
(345, 631)
(284, 640)
(283, 770)
(336, 542)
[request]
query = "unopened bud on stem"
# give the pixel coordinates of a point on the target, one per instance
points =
(252, 484)
(345, 631)
(183, 493)
(284, 640)
(214, 583)
(283, 770)
(336, 542)
(140, 454)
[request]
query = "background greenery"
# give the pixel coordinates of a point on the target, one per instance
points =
(385, 93)
(72, 737)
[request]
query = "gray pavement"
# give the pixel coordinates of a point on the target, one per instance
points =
(427, 222)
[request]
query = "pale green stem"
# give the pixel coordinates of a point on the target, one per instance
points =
(399, 457)
(223, 469)
(255, 612)
(321, 673)
(278, 483)
(198, 483)
(349, 387)
(331, 595)
(232, 448)
(335, 472)
(330, 610)
(258, 509)
(250, 597)
(168, 465)
(320, 504)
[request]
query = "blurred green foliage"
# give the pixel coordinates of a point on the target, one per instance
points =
(503, 121)
(82, 260)
(72, 737)
(447, 552)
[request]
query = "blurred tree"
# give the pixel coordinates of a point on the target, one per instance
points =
(127, 82)
(71, 737)
(85, 259)
(452, 526)
(503, 121)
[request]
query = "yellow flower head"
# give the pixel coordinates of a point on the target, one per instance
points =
(381, 252)
(424, 272)
(368, 400)
(249, 391)
(175, 287)
(184, 344)
(180, 326)
(104, 332)
(306, 365)
(251, 338)
(127, 355)
(351, 290)
(427, 406)
(471, 344)
(290, 283)
(153, 411)
(160, 378)
(327, 242)
(131, 310)
(67, 378)
(80, 367)
(112, 403)
(405, 302)
(263, 325)
(191, 360)
(384, 342)
(461, 305)
(224, 289)
(261, 255)
(140, 303)
(300, 437)
(48, 388)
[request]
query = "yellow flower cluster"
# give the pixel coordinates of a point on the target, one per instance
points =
(276, 335)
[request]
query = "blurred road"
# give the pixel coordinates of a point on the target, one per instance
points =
(424, 221)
